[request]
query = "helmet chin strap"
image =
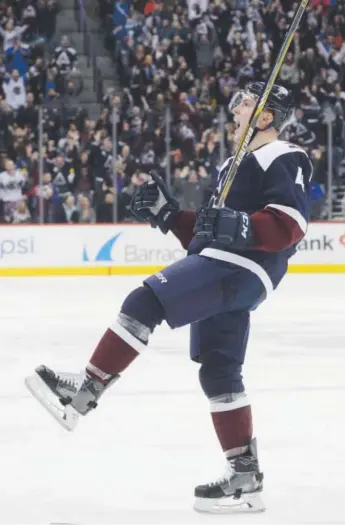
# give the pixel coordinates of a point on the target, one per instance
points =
(256, 131)
(254, 134)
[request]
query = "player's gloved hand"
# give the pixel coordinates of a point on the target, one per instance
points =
(228, 227)
(154, 203)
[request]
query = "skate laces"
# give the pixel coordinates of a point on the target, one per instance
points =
(227, 474)
(69, 381)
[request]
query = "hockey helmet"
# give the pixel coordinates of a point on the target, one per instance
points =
(279, 102)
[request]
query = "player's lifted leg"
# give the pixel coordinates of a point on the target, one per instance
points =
(66, 395)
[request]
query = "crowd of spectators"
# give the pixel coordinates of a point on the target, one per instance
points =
(176, 60)
(35, 73)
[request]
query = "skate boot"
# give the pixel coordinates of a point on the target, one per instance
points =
(66, 395)
(238, 490)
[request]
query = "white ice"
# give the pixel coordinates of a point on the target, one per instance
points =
(137, 457)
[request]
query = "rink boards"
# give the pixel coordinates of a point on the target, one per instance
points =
(125, 249)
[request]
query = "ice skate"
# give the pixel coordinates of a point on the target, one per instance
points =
(238, 490)
(65, 395)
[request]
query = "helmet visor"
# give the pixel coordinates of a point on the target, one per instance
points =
(242, 97)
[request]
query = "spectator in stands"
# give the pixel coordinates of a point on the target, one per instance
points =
(127, 165)
(29, 17)
(14, 90)
(65, 56)
(105, 209)
(12, 182)
(20, 139)
(102, 159)
(290, 71)
(299, 131)
(205, 41)
(47, 19)
(120, 17)
(86, 213)
(3, 70)
(21, 214)
(27, 162)
(6, 121)
(66, 211)
(62, 175)
(84, 180)
(190, 185)
(17, 57)
(11, 32)
(27, 116)
(45, 192)
(36, 78)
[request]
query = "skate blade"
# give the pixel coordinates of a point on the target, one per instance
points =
(246, 503)
(67, 416)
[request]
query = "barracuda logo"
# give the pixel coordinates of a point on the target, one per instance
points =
(104, 253)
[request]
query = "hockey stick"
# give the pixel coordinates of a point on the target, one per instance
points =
(259, 107)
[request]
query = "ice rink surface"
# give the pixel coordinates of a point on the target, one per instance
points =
(137, 457)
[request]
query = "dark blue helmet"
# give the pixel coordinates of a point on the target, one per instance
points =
(280, 101)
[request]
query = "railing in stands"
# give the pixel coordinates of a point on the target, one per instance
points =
(89, 46)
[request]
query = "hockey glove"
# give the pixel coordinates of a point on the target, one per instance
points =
(154, 203)
(230, 228)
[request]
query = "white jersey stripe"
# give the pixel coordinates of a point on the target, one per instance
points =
(293, 213)
(233, 258)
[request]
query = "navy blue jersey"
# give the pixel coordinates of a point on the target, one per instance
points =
(273, 181)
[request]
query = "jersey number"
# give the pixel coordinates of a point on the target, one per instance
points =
(299, 178)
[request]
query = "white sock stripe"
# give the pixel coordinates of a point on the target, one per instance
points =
(233, 258)
(218, 406)
(132, 341)
(293, 213)
(98, 372)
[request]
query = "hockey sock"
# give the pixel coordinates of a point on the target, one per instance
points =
(114, 352)
(128, 337)
(232, 420)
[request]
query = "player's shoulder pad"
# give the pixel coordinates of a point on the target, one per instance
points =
(270, 152)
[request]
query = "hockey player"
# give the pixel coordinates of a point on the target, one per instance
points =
(237, 255)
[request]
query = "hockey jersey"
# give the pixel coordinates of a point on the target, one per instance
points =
(273, 186)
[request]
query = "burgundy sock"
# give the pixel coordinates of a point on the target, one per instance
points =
(234, 427)
(115, 351)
